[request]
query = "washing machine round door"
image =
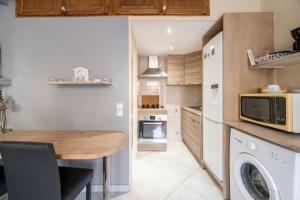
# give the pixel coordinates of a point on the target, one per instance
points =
(254, 180)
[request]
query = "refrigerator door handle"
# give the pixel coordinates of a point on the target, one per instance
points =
(214, 86)
(208, 119)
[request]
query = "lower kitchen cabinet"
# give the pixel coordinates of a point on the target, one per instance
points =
(191, 131)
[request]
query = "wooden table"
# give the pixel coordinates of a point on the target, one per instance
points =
(78, 145)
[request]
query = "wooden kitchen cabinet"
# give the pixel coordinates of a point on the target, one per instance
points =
(61, 7)
(111, 7)
(137, 7)
(186, 7)
(86, 7)
(38, 7)
(191, 132)
(193, 68)
(175, 66)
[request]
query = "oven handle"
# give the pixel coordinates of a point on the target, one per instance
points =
(152, 123)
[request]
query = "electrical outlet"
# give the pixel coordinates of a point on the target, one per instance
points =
(120, 113)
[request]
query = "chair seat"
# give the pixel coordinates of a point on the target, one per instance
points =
(3, 189)
(73, 180)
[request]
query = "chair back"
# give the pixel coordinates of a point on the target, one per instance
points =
(31, 171)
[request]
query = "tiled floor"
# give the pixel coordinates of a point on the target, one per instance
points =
(171, 175)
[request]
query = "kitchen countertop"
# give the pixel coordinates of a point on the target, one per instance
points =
(192, 110)
(287, 140)
(154, 111)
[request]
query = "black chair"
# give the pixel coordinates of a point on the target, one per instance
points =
(32, 173)
(2, 182)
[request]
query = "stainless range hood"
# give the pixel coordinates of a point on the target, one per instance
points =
(153, 70)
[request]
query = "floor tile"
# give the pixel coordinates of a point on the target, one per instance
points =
(202, 184)
(157, 185)
(134, 194)
(182, 193)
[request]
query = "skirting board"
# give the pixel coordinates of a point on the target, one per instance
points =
(113, 188)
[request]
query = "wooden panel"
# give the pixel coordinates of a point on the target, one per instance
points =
(226, 165)
(38, 7)
(87, 7)
(193, 68)
(137, 7)
(284, 139)
(152, 146)
(74, 145)
(150, 100)
(175, 65)
(191, 131)
(186, 7)
(152, 111)
(238, 78)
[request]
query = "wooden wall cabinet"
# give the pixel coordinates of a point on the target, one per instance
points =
(111, 7)
(193, 68)
(185, 69)
(175, 65)
(38, 7)
(186, 7)
(191, 132)
(61, 7)
(86, 7)
(137, 7)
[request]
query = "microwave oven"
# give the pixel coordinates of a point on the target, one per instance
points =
(279, 111)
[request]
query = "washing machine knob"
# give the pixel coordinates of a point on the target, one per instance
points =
(251, 146)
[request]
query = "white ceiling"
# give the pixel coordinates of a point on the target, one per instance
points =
(151, 37)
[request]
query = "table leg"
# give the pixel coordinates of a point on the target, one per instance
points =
(106, 178)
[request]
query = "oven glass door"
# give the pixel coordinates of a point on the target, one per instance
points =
(257, 108)
(152, 129)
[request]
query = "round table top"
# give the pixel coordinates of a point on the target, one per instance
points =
(74, 145)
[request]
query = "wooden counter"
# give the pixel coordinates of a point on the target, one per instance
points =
(150, 111)
(286, 140)
(74, 145)
(194, 111)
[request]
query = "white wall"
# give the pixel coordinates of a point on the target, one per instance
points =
(287, 17)
(219, 7)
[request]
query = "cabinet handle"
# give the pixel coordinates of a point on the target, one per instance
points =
(164, 7)
(63, 10)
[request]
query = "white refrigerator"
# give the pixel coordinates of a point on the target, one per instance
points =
(213, 105)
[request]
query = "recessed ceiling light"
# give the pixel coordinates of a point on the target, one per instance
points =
(171, 48)
(169, 30)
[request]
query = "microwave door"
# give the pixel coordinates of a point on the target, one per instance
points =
(257, 108)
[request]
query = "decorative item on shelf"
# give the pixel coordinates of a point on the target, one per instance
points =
(296, 35)
(269, 57)
(81, 74)
(280, 59)
(274, 89)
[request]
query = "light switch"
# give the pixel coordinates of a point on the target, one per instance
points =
(119, 106)
(120, 113)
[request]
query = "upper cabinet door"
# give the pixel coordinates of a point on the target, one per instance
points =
(193, 68)
(186, 7)
(137, 7)
(86, 7)
(38, 7)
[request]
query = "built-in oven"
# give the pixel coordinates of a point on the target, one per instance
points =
(153, 128)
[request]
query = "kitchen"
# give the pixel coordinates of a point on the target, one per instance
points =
(194, 112)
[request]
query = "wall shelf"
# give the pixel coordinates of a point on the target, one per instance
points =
(77, 83)
(279, 63)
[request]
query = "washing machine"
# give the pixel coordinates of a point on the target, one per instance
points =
(260, 170)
